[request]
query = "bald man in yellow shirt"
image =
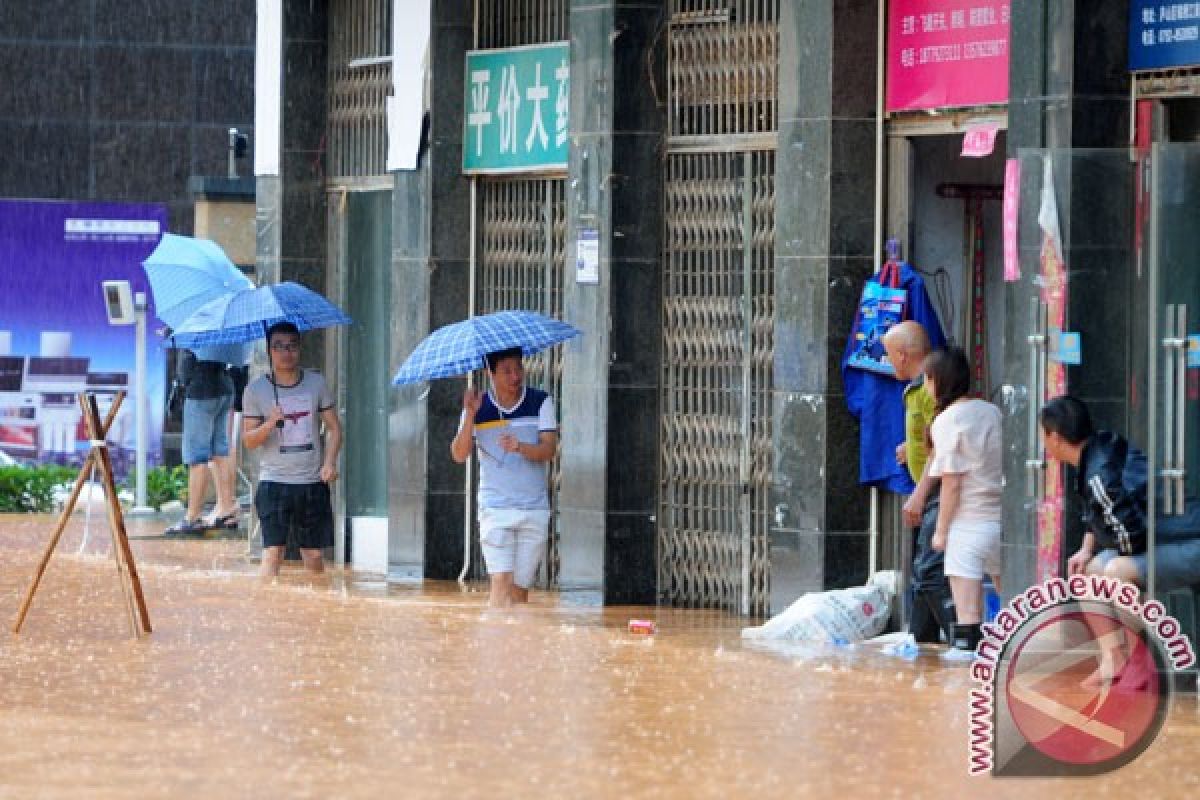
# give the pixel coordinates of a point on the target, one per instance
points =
(932, 607)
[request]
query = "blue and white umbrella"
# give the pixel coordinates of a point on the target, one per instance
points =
(459, 348)
(236, 354)
(246, 315)
(185, 273)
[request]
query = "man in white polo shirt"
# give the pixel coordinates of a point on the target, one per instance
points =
(515, 433)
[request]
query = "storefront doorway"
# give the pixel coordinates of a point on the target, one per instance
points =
(944, 211)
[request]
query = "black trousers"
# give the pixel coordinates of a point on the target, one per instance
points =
(932, 604)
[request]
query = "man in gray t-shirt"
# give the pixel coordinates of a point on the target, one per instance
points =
(293, 452)
(283, 414)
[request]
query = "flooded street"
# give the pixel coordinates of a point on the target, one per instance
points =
(354, 690)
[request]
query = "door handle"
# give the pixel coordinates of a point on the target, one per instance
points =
(1181, 348)
(1035, 462)
(1169, 403)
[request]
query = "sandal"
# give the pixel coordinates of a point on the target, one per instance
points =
(228, 522)
(186, 527)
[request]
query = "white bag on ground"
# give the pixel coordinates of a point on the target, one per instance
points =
(838, 616)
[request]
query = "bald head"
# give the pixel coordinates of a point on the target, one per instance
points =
(907, 345)
(909, 336)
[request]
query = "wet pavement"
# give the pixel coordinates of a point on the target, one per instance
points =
(345, 688)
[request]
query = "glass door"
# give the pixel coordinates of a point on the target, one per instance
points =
(365, 387)
(1067, 323)
(1105, 305)
(1169, 207)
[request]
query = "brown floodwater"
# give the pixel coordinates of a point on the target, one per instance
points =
(349, 688)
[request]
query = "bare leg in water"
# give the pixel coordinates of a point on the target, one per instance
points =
(1109, 634)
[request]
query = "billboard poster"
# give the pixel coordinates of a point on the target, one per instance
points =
(55, 338)
(947, 54)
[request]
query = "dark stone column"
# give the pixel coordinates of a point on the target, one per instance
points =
(291, 205)
(635, 303)
(290, 220)
(1069, 88)
(431, 282)
(408, 445)
(824, 220)
(610, 380)
(582, 498)
(302, 164)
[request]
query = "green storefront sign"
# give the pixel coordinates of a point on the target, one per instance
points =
(516, 109)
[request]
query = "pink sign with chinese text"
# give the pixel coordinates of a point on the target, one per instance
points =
(980, 140)
(947, 53)
(1012, 199)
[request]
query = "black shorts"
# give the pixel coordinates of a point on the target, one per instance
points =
(296, 513)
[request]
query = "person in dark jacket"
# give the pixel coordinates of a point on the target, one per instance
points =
(1111, 481)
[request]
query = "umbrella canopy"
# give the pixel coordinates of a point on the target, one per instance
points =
(460, 348)
(246, 315)
(236, 354)
(185, 273)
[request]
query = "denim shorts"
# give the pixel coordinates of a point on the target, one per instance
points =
(1176, 564)
(205, 429)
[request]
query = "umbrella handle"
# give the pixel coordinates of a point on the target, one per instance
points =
(271, 363)
(275, 389)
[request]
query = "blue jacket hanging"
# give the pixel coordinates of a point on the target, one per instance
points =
(877, 401)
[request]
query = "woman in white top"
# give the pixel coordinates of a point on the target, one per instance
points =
(968, 457)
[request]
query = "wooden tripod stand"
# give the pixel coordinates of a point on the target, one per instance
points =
(131, 585)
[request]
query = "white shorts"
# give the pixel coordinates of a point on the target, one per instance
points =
(514, 540)
(973, 549)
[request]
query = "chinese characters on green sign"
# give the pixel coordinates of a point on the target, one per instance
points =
(516, 109)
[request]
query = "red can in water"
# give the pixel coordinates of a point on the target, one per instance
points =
(641, 626)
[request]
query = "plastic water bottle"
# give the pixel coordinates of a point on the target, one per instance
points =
(905, 648)
(991, 601)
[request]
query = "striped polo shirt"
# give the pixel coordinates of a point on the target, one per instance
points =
(510, 480)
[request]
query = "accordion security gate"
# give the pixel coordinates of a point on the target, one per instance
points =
(522, 224)
(718, 306)
(360, 80)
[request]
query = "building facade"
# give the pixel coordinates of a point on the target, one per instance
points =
(735, 168)
(115, 103)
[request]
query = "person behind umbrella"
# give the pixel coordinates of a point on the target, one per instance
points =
(208, 395)
(283, 413)
(515, 433)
